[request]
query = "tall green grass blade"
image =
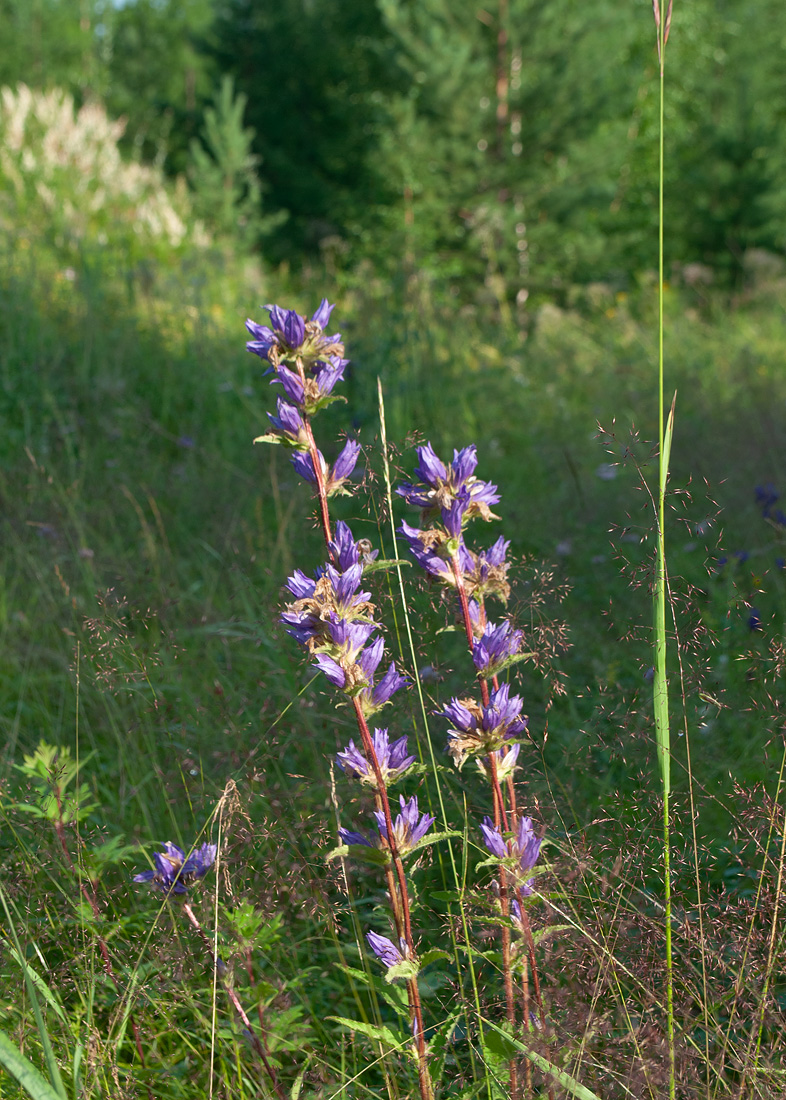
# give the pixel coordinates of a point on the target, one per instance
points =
(660, 683)
(19, 1067)
(58, 1088)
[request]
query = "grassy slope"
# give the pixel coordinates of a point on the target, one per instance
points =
(146, 542)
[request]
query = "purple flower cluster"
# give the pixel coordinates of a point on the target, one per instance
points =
(496, 648)
(308, 364)
(522, 850)
(173, 872)
(450, 496)
(393, 759)
(480, 729)
(452, 490)
(333, 618)
(409, 828)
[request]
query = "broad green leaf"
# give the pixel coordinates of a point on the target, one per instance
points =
(407, 969)
(379, 1034)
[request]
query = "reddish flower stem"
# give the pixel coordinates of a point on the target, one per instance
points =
(424, 1077)
(399, 896)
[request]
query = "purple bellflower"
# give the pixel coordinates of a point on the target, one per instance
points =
(443, 484)
(291, 334)
(481, 729)
(346, 551)
(393, 760)
(288, 425)
(523, 850)
(173, 872)
(409, 828)
(498, 647)
(321, 604)
(430, 550)
(385, 950)
(306, 362)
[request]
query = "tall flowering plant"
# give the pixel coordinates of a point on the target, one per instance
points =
(331, 614)
(450, 497)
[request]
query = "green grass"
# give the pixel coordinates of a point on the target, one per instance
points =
(145, 545)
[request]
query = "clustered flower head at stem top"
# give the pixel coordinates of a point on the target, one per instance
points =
(450, 496)
(307, 363)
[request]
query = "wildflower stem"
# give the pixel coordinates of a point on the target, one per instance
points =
(324, 514)
(413, 992)
(500, 820)
(507, 975)
(235, 1001)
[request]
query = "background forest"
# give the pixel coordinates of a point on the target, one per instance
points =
(476, 188)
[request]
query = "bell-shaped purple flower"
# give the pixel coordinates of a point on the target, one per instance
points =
(332, 669)
(385, 950)
(289, 423)
(483, 729)
(263, 339)
(393, 759)
(442, 484)
(497, 648)
(321, 314)
(289, 324)
(290, 335)
(305, 467)
(173, 872)
(523, 847)
(343, 548)
(374, 697)
(410, 825)
(429, 549)
(293, 387)
(327, 373)
(342, 468)
(409, 828)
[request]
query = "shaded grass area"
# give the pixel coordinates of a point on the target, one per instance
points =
(146, 542)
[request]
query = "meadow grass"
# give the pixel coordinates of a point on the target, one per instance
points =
(146, 543)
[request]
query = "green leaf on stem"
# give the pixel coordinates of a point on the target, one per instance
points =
(378, 1033)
